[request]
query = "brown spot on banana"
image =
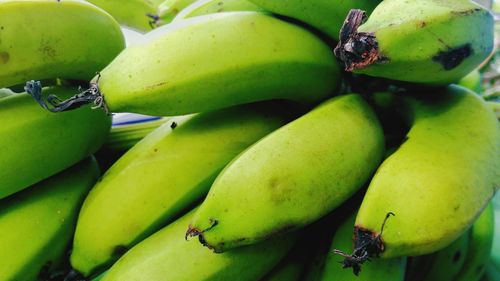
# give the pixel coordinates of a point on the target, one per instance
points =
(453, 57)
(4, 57)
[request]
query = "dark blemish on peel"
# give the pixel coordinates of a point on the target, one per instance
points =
(173, 125)
(453, 57)
(4, 57)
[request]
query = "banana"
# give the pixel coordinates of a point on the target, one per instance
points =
(41, 39)
(174, 169)
(37, 144)
(287, 270)
(37, 224)
(135, 14)
(218, 67)
(167, 256)
(169, 9)
(205, 7)
(325, 15)
(305, 165)
(429, 41)
(438, 181)
(472, 81)
(481, 240)
(442, 265)
(383, 270)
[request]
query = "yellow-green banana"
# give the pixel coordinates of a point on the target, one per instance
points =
(167, 256)
(293, 176)
(169, 9)
(428, 41)
(37, 144)
(325, 15)
(377, 270)
(472, 81)
(205, 7)
(206, 63)
(480, 242)
(174, 167)
(442, 265)
(37, 224)
(438, 181)
(135, 14)
(42, 39)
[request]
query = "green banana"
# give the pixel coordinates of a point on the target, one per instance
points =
(174, 168)
(325, 15)
(205, 7)
(428, 41)
(167, 256)
(383, 270)
(135, 14)
(442, 265)
(217, 68)
(169, 9)
(472, 81)
(305, 165)
(41, 39)
(287, 270)
(37, 144)
(438, 181)
(481, 240)
(38, 223)
(495, 249)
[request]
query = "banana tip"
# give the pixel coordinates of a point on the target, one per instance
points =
(357, 49)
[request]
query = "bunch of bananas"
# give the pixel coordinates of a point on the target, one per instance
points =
(269, 161)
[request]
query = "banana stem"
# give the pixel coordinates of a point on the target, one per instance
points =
(91, 95)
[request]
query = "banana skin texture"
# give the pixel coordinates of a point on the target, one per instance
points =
(376, 270)
(163, 175)
(442, 265)
(42, 39)
(314, 163)
(439, 180)
(325, 15)
(480, 243)
(36, 144)
(37, 224)
(218, 68)
(205, 7)
(429, 41)
(167, 256)
(130, 13)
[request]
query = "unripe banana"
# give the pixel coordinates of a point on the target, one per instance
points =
(42, 39)
(293, 176)
(473, 81)
(325, 15)
(38, 223)
(428, 41)
(377, 270)
(167, 256)
(174, 167)
(36, 144)
(442, 265)
(480, 242)
(130, 13)
(218, 67)
(205, 7)
(438, 181)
